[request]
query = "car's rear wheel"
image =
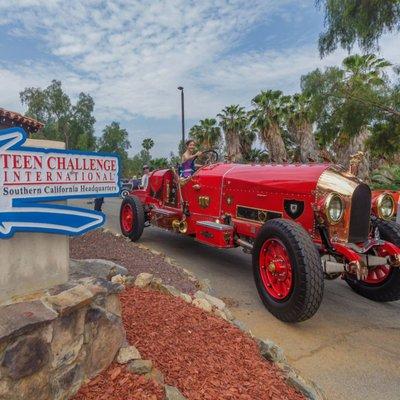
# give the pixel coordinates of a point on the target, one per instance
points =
(287, 271)
(131, 217)
(383, 282)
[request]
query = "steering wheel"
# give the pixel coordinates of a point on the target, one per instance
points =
(211, 157)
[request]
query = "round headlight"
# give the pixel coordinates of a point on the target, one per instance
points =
(385, 206)
(334, 208)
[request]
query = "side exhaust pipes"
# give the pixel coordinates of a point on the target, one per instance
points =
(247, 246)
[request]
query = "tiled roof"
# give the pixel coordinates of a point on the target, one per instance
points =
(21, 119)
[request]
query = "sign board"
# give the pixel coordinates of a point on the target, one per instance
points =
(30, 177)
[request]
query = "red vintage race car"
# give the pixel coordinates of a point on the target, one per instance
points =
(301, 223)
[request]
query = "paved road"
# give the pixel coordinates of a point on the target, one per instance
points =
(351, 347)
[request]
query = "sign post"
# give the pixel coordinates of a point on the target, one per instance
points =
(34, 257)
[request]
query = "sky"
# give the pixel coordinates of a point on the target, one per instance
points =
(131, 55)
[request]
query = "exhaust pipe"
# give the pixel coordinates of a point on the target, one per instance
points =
(247, 246)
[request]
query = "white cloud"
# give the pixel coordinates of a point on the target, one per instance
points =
(131, 55)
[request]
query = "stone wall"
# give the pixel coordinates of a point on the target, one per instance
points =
(50, 346)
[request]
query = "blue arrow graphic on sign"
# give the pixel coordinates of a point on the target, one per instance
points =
(62, 220)
(20, 212)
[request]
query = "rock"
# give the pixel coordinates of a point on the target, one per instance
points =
(205, 285)
(169, 260)
(110, 287)
(127, 354)
(93, 286)
(270, 351)
(118, 279)
(203, 304)
(143, 279)
(156, 284)
(240, 324)
(309, 390)
(172, 393)
(68, 353)
(4, 388)
(214, 301)
(25, 357)
(18, 318)
(140, 367)
(70, 300)
(67, 383)
(156, 375)
(186, 297)
(95, 267)
(228, 314)
(106, 339)
(35, 386)
(220, 313)
(129, 281)
(113, 305)
(171, 290)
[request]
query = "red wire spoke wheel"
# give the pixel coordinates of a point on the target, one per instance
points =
(378, 275)
(131, 218)
(276, 269)
(127, 219)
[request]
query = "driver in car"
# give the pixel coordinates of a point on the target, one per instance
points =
(188, 166)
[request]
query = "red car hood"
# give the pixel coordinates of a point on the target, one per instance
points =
(292, 178)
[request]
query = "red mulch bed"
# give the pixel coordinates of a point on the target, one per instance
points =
(204, 356)
(117, 383)
(97, 244)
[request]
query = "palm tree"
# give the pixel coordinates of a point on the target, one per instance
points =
(299, 120)
(363, 81)
(233, 120)
(247, 137)
(258, 155)
(206, 133)
(148, 144)
(267, 119)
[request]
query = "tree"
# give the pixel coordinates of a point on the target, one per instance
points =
(386, 177)
(82, 124)
(267, 117)
(115, 139)
(258, 156)
(348, 101)
(299, 119)
(350, 22)
(246, 139)
(385, 139)
(233, 121)
(148, 144)
(159, 163)
(206, 134)
(72, 124)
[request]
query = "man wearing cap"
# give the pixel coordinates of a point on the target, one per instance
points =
(145, 177)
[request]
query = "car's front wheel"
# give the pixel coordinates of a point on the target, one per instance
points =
(287, 271)
(131, 217)
(383, 282)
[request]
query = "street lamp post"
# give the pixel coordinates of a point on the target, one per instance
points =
(183, 113)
